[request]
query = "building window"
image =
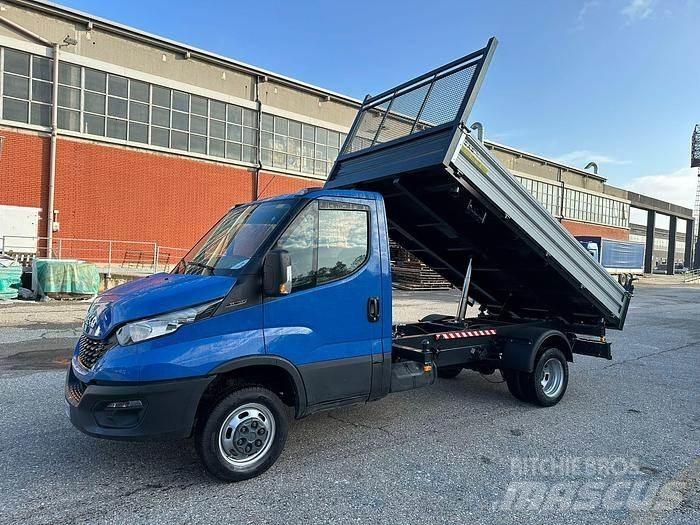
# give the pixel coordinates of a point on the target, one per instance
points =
(26, 88)
(102, 104)
(40, 111)
(117, 106)
(139, 115)
(199, 108)
(197, 124)
(160, 116)
(69, 96)
(180, 123)
(95, 102)
(292, 145)
(587, 207)
(578, 205)
(217, 129)
(548, 195)
(234, 132)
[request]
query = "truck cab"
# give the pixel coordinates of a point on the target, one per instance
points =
(289, 292)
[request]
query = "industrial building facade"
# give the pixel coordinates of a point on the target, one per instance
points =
(154, 140)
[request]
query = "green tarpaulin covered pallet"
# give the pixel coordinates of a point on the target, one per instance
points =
(10, 277)
(51, 276)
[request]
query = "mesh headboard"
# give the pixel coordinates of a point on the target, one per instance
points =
(440, 98)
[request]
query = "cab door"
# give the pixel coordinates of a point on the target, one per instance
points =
(326, 326)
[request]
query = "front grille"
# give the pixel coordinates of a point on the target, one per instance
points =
(75, 390)
(91, 350)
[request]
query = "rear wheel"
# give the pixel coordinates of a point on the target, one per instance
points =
(512, 378)
(448, 372)
(243, 435)
(547, 383)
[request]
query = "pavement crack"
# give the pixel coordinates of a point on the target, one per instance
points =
(653, 354)
(91, 513)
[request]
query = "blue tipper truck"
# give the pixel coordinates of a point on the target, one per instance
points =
(284, 306)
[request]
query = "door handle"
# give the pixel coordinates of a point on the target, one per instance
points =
(373, 309)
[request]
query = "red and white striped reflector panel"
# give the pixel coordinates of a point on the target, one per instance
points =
(468, 333)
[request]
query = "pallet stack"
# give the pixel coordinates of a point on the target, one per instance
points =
(410, 273)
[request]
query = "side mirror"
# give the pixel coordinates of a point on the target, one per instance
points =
(277, 273)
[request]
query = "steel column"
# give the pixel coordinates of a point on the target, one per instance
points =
(671, 255)
(688, 253)
(649, 252)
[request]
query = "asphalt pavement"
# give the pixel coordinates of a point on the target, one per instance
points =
(623, 446)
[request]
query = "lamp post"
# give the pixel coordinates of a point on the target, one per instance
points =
(695, 163)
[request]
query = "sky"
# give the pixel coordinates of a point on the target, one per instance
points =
(616, 82)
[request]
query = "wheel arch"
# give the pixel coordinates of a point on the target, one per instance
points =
(521, 347)
(555, 339)
(273, 372)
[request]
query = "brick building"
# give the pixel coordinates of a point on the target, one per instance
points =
(154, 139)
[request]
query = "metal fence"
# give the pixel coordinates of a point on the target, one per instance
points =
(111, 255)
(441, 97)
(693, 276)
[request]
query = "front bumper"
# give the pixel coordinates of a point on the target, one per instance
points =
(166, 410)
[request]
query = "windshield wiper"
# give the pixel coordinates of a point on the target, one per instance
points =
(200, 265)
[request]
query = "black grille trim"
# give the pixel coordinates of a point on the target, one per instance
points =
(91, 350)
(74, 391)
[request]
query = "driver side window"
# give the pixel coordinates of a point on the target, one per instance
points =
(327, 241)
(300, 241)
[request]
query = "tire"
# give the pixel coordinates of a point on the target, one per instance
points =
(512, 378)
(224, 440)
(448, 372)
(547, 383)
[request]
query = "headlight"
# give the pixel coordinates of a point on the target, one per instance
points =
(163, 324)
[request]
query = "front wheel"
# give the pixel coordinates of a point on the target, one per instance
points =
(243, 435)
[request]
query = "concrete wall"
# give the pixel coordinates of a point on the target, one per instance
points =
(551, 170)
(286, 98)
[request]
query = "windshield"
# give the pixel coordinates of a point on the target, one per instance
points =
(230, 244)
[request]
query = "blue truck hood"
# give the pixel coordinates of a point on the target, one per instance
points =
(150, 296)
